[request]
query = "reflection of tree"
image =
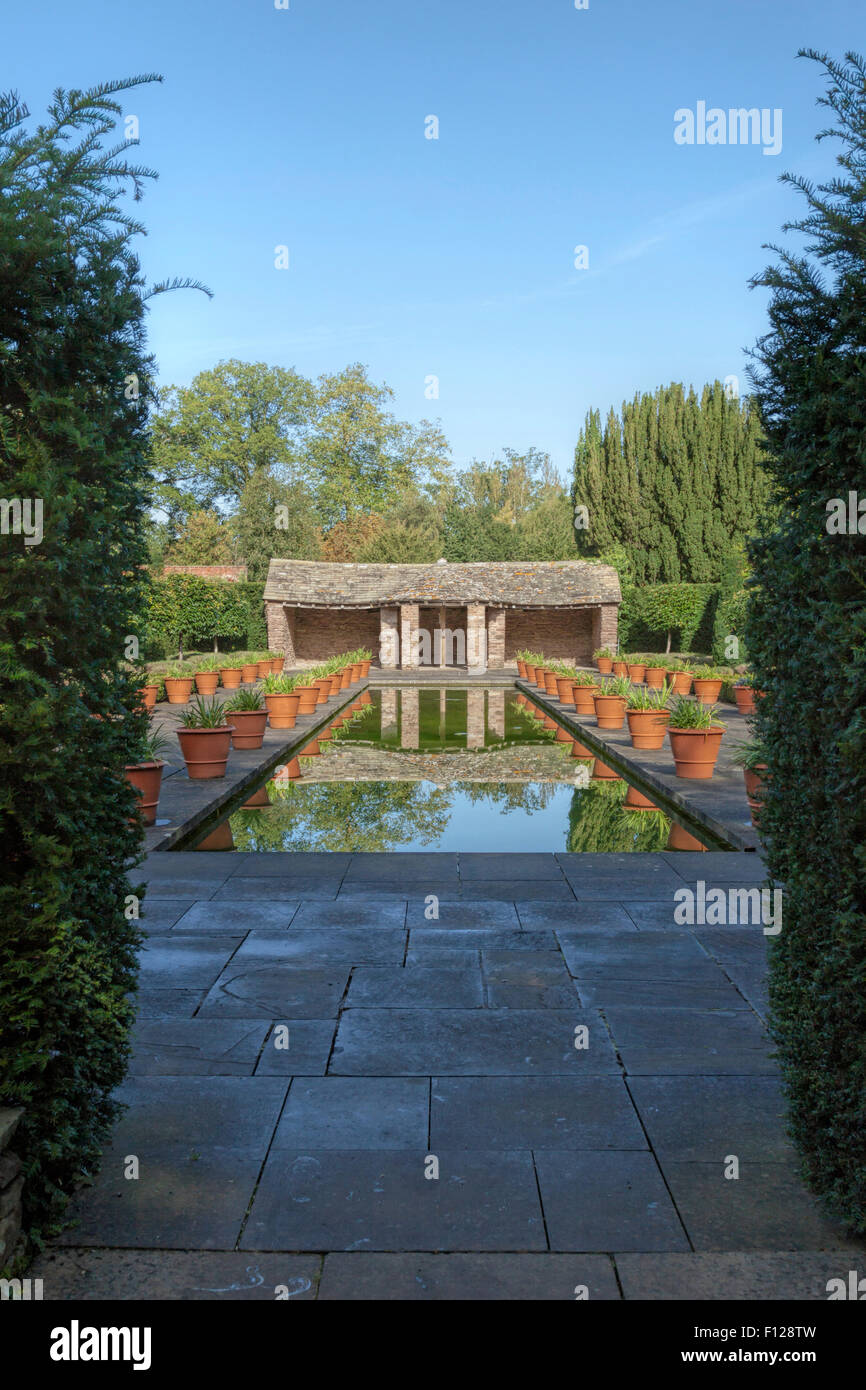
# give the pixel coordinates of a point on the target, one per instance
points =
(344, 815)
(649, 829)
(511, 796)
(597, 821)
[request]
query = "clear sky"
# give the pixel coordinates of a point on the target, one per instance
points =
(454, 257)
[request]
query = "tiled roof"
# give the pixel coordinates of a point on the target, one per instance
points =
(530, 584)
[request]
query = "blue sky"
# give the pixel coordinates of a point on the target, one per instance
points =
(454, 257)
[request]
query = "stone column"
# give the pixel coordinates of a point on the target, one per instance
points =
(409, 728)
(496, 638)
(389, 639)
(280, 619)
(442, 626)
(408, 631)
(475, 718)
(476, 637)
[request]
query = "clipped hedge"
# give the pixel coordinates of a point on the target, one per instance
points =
(650, 614)
(806, 628)
(185, 609)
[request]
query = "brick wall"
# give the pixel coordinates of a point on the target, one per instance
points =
(561, 634)
(324, 632)
(209, 571)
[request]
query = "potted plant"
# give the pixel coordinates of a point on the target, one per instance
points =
(150, 691)
(206, 674)
(248, 717)
(282, 700)
(603, 659)
(708, 684)
(744, 694)
(146, 774)
(178, 683)
(610, 701)
(529, 663)
(565, 678)
(752, 758)
(584, 689)
(521, 666)
(620, 667)
(636, 669)
(249, 671)
(680, 679)
(277, 663)
(323, 685)
(366, 658)
(204, 739)
(308, 697)
(550, 681)
(695, 734)
(263, 664)
(231, 673)
(655, 676)
(648, 716)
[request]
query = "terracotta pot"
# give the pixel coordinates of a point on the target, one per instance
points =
(220, 838)
(345, 677)
(565, 690)
(259, 798)
(695, 751)
(178, 690)
(248, 673)
(335, 683)
(602, 773)
(263, 668)
(610, 711)
(604, 664)
(282, 710)
(754, 784)
(308, 697)
(620, 668)
(681, 682)
(655, 676)
(148, 695)
(584, 698)
(311, 750)
(562, 735)
(540, 673)
(528, 671)
(146, 778)
(745, 698)
(231, 676)
(206, 682)
(248, 727)
(580, 750)
(636, 801)
(647, 727)
(550, 683)
(205, 751)
(357, 668)
(521, 668)
(365, 668)
(679, 838)
(707, 691)
(636, 671)
(277, 664)
(323, 685)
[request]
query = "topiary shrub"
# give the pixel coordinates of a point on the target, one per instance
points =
(806, 630)
(73, 387)
(668, 616)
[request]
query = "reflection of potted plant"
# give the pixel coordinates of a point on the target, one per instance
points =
(603, 659)
(248, 717)
(146, 774)
(610, 702)
(708, 684)
(602, 773)
(580, 750)
(584, 689)
(655, 676)
(744, 695)
(679, 838)
(282, 700)
(636, 801)
(648, 716)
(206, 674)
(752, 758)
(178, 683)
(695, 736)
(204, 739)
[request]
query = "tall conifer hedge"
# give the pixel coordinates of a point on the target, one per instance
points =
(806, 632)
(73, 382)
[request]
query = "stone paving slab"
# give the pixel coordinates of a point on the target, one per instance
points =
(533, 1112)
(167, 1003)
(766, 1208)
(274, 889)
(508, 866)
(694, 1042)
(368, 1200)
(607, 1201)
(480, 938)
(317, 946)
(175, 1114)
(653, 994)
(415, 987)
(527, 980)
(196, 889)
(350, 914)
(160, 914)
(170, 962)
(357, 1112)
(81, 1274)
(458, 913)
(749, 1277)
(297, 1047)
(589, 915)
(268, 988)
(235, 918)
(467, 1042)
(554, 890)
(196, 1047)
(629, 956)
(703, 1118)
(428, 1278)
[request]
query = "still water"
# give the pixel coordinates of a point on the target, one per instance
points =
(447, 769)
